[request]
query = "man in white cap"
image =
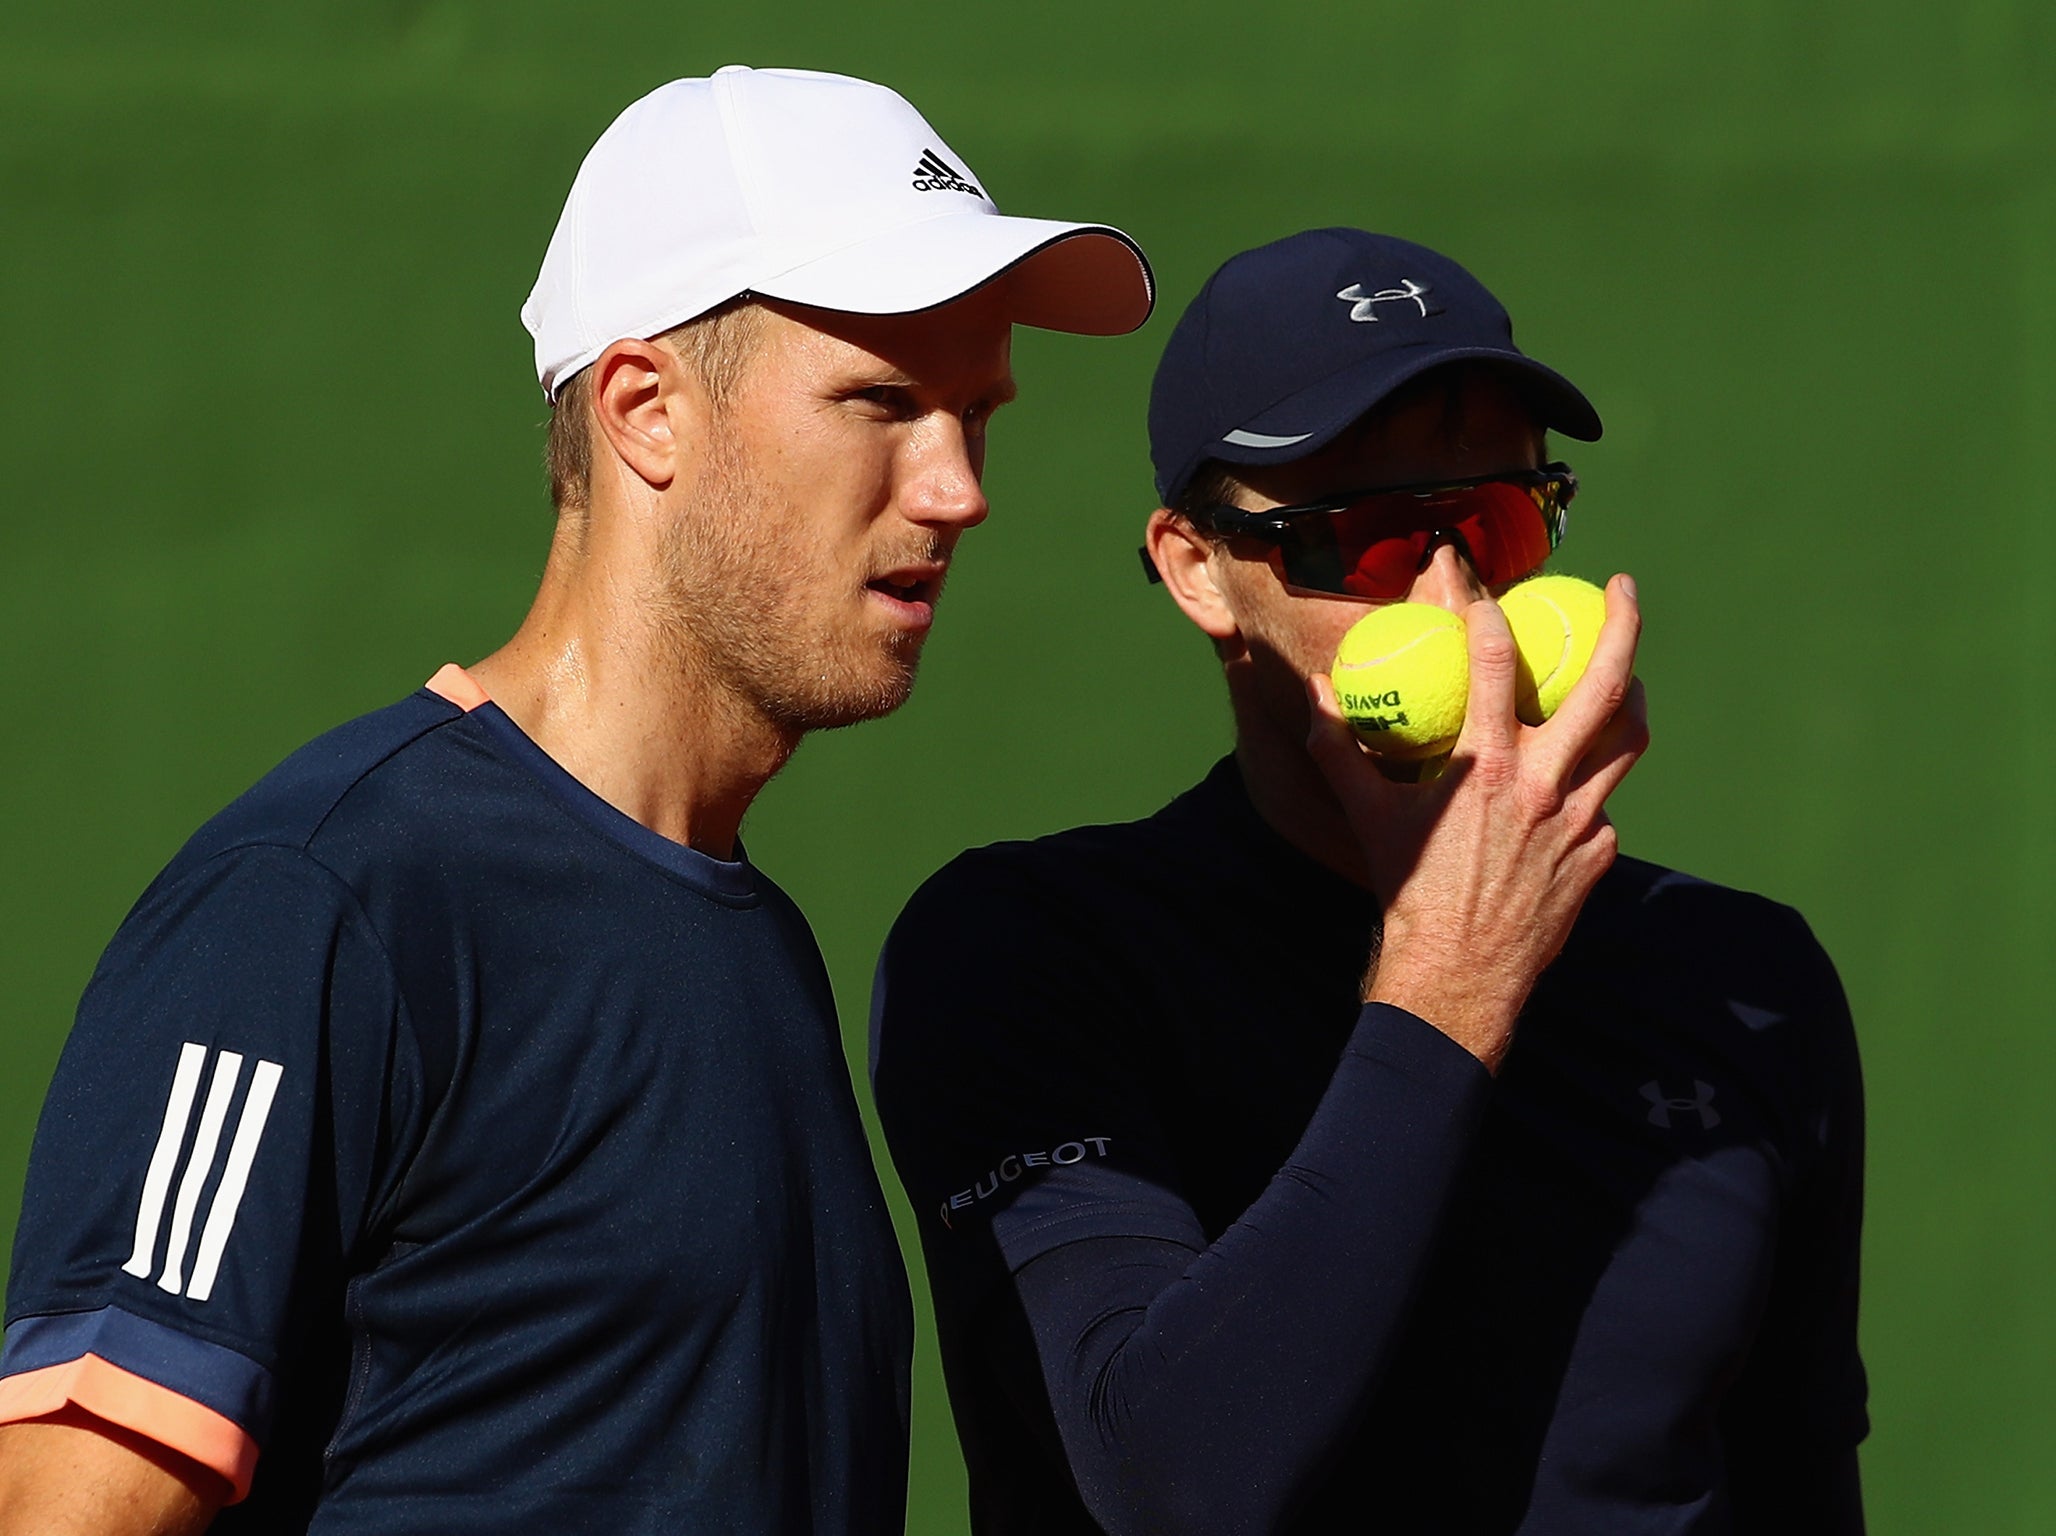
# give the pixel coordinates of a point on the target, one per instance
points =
(456, 1137)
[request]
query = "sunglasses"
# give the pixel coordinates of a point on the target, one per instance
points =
(1372, 544)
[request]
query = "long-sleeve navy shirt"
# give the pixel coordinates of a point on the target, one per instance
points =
(1216, 1248)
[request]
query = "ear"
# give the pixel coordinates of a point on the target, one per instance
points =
(1184, 558)
(643, 399)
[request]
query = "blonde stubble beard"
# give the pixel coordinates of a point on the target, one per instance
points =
(738, 599)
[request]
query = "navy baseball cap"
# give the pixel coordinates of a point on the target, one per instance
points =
(1287, 344)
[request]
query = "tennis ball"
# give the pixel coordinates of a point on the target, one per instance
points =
(1555, 621)
(1401, 676)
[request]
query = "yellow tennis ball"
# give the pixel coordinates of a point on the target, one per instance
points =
(1401, 676)
(1555, 621)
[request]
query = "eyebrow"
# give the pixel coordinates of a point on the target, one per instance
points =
(891, 376)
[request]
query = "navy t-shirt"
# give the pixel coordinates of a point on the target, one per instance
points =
(1216, 1247)
(472, 1158)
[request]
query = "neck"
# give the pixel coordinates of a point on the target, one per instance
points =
(600, 680)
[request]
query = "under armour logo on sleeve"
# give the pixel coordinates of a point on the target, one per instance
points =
(1662, 1106)
(198, 1284)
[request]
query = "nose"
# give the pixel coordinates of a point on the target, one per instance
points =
(943, 489)
(1448, 580)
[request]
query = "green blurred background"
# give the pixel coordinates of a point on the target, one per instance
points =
(271, 438)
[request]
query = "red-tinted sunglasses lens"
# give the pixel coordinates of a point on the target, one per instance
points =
(1375, 546)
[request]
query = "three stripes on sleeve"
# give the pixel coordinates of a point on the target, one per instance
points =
(199, 1164)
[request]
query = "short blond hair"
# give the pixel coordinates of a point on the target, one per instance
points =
(717, 346)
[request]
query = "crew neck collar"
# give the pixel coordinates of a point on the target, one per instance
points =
(730, 880)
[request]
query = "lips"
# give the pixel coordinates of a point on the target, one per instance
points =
(918, 582)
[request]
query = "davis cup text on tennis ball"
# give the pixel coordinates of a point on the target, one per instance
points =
(1401, 677)
(1555, 621)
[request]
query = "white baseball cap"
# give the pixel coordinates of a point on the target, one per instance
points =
(813, 188)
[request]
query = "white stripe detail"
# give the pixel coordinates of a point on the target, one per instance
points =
(228, 1066)
(228, 1196)
(1242, 439)
(178, 1109)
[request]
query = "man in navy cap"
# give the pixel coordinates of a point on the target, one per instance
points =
(1326, 1152)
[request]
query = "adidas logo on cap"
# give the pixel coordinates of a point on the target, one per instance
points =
(932, 173)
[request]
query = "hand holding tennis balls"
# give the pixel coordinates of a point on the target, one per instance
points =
(1480, 867)
(1402, 672)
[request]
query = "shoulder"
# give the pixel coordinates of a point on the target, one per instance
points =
(795, 943)
(1010, 873)
(269, 894)
(1019, 954)
(1664, 894)
(1697, 929)
(1684, 965)
(1068, 880)
(389, 755)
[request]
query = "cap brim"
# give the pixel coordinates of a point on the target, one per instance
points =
(1308, 421)
(1086, 278)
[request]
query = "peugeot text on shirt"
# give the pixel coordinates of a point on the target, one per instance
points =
(1015, 1164)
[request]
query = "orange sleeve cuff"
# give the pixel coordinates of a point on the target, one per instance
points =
(156, 1413)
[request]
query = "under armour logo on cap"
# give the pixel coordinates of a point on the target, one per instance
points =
(1363, 307)
(1662, 1106)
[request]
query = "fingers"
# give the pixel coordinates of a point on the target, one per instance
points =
(1619, 747)
(1599, 847)
(1599, 696)
(1490, 723)
(1600, 692)
(1327, 734)
(1585, 750)
(1350, 771)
